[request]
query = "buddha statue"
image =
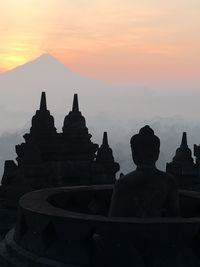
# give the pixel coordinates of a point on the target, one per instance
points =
(147, 191)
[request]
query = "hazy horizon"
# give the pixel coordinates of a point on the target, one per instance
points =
(119, 110)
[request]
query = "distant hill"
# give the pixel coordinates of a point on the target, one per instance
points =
(20, 88)
(120, 110)
(20, 91)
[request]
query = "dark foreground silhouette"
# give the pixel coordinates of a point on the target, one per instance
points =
(145, 192)
(70, 226)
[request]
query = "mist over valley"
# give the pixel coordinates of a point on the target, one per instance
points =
(119, 110)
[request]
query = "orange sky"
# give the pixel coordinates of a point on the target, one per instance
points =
(123, 41)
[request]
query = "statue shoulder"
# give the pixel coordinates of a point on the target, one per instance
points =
(167, 178)
(171, 180)
(166, 175)
(127, 177)
(127, 180)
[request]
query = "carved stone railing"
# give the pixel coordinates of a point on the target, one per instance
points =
(70, 227)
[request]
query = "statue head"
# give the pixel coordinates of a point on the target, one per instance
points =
(145, 147)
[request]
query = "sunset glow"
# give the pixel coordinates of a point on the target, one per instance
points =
(13, 60)
(124, 41)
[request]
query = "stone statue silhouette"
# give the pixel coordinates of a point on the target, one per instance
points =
(147, 191)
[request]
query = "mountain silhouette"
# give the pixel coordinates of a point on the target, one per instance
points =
(20, 87)
(43, 61)
(120, 110)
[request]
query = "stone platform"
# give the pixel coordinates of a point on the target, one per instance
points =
(70, 227)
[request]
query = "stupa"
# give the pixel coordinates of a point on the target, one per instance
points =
(183, 166)
(51, 159)
(70, 226)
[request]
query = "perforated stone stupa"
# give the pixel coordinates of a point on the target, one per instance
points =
(51, 159)
(183, 166)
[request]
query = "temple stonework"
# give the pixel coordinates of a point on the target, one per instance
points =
(71, 226)
(183, 166)
(51, 159)
(76, 225)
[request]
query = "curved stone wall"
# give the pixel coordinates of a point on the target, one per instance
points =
(61, 225)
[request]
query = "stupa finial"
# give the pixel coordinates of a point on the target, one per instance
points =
(75, 106)
(43, 102)
(184, 140)
(105, 139)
